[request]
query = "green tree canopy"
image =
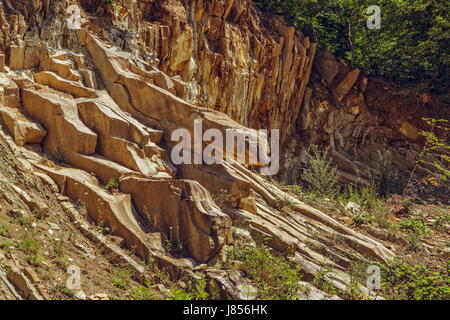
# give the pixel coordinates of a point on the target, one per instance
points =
(410, 48)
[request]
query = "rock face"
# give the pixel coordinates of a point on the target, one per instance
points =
(100, 106)
(357, 118)
(229, 58)
(225, 56)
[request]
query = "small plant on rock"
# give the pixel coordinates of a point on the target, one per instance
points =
(4, 232)
(113, 185)
(434, 158)
(321, 175)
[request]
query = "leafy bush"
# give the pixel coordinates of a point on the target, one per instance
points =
(321, 176)
(414, 282)
(416, 225)
(4, 232)
(274, 276)
(144, 292)
(179, 294)
(112, 184)
(122, 276)
(28, 245)
(364, 196)
(34, 260)
(6, 246)
(436, 148)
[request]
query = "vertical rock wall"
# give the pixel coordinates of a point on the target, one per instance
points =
(231, 59)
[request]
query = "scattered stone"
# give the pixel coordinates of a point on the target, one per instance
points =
(161, 288)
(80, 295)
(118, 241)
(398, 206)
(353, 207)
(248, 204)
(16, 213)
(344, 87)
(98, 296)
(31, 275)
(54, 226)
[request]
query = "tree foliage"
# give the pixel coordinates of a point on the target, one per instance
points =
(410, 48)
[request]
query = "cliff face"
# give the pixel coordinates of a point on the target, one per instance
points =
(89, 114)
(233, 60)
(358, 117)
(257, 70)
(93, 122)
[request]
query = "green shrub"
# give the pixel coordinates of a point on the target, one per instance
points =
(6, 246)
(122, 275)
(414, 282)
(34, 260)
(65, 291)
(365, 196)
(416, 225)
(144, 292)
(199, 289)
(112, 184)
(119, 283)
(274, 277)
(179, 294)
(29, 246)
(321, 175)
(4, 232)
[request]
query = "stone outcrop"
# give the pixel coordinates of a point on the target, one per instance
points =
(224, 56)
(106, 142)
(358, 117)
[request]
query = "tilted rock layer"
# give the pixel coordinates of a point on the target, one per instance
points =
(97, 106)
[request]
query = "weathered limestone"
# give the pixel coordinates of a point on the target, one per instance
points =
(62, 68)
(114, 133)
(115, 211)
(146, 101)
(221, 58)
(186, 213)
(23, 130)
(344, 87)
(231, 61)
(56, 82)
(60, 118)
(10, 92)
